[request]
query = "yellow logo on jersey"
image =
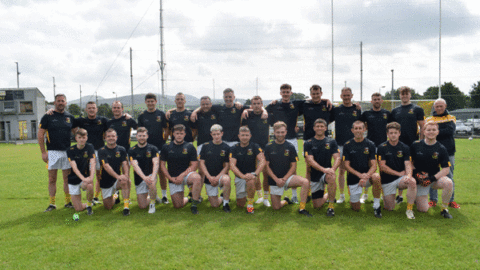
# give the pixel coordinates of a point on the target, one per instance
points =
(233, 111)
(213, 117)
(124, 123)
(292, 107)
(67, 120)
(222, 153)
(354, 113)
(366, 151)
(85, 154)
(265, 121)
(149, 154)
(399, 154)
(327, 146)
(435, 155)
(324, 109)
(249, 152)
(185, 118)
(384, 116)
(99, 122)
(287, 153)
(159, 119)
(117, 154)
(184, 151)
(410, 111)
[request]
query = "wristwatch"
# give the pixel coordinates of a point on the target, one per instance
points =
(254, 173)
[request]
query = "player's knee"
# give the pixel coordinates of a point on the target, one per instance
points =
(376, 178)
(330, 179)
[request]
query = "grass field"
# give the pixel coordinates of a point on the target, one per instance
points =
(176, 239)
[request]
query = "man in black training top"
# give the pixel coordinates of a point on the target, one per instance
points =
(181, 116)
(361, 164)
(214, 165)
(121, 125)
(145, 161)
(181, 157)
(57, 129)
(155, 122)
(246, 162)
(115, 172)
(396, 169)
(82, 161)
(281, 158)
(319, 152)
(428, 157)
(344, 116)
(259, 129)
(206, 118)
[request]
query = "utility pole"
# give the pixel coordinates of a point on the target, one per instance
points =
(80, 99)
(392, 90)
(96, 98)
(332, 54)
(54, 88)
(18, 76)
(131, 81)
(361, 72)
(161, 62)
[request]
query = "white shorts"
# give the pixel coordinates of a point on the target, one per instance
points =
(391, 188)
(108, 192)
(320, 185)
(174, 188)
(142, 188)
(97, 159)
(294, 142)
(58, 160)
(340, 148)
(274, 190)
(423, 191)
(75, 189)
(240, 188)
(211, 190)
(356, 192)
(199, 148)
(230, 144)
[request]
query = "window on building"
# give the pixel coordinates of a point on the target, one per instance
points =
(9, 105)
(34, 129)
(19, 94)
(26, 107)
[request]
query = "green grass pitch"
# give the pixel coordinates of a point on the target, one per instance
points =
(176, 239)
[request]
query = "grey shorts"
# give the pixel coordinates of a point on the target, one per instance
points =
(142, 188)
(391, 188)
(75, 189)
(174, 188)
(97, 161)
(356, 191)
(108, 192)
(213, 191)
(340, 148)
(274, 190)
(58, 160)
(320, 185)
(240, 188)
(294, 142)
(199, 148)
(423, 191)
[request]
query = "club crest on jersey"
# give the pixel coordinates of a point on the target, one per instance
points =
(117, 154)
(213, 117)
(292, 107)
(435, 155)
(233, 111)
(159, 119)
(85, 154)
(149, 154)
(67, 120)
(366, 151)
(99, 122)
(124, 123)
(222, 153)
(287, 153)
(184, 151)
(327, 146)
(354, 113)
(249, 152)
(324, 109)
(265, 121)
(185, 118)
(384, 116)
(399, 154)
(410, 111)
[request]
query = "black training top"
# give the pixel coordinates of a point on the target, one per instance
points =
(123, 127)
(344, 118)
(113, 157)
(429, 158)
(280, 157)
(312, 112)
(178, 157)
(154, 122)
(359, 155)
(215, 155)
(184, 119)
(95, 128)
(377, 125)
(286, 112)
(407, 116)
(82, 159)
(205, 120)
(322, 152)
(246, 156)
(229, 119)
(259, 128)
(59, 127)
(395, 157)
(144, 156)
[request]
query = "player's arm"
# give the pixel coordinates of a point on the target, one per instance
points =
(386, 169)
(271, 174)
(421, 123)
(408, 168)
(311, 161)
(156, 164)
(203, 169)
(293, 168)
(41, 142)
(373, 167)
(261, 163)
(109, 170)
(73, 164)
(125, 169)
(191, 168)
(194, 133)
(336, 161)
(193, 115)
(443, 172)
(137, 168)
(169, 113)
(163, 168)
(352, 170)
(234, 168)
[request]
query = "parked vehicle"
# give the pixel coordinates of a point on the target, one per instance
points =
(461, 128)
(473, 123)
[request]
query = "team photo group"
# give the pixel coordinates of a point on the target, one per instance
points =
(389, 151)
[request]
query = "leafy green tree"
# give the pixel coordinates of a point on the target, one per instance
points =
(105, 110)
(455, 98)
(475, 95)
(396, 95)
(74, 109)
(247, 102)
(298, 96)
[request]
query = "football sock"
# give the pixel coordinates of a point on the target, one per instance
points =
(302, 206)
(259, 192)
(444, 206)
(310, 192)
(225, 202)
(152, 201)
(409, 206)
(164, 192)
(89, 203)
(331, 205)
(195, 202)
(68, 198)
(250, 202)
(265, 195)
(376, 203)
(125, 203)
(52, 200)
(294, 193)
(97, 193)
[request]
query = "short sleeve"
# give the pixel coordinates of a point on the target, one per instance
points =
(444, 160)
(140, 120)
(406, 154)
(164, 153)
(91, 151)
(102, 157)
(202, 153)
(307, 148)
(372, 151)
(44, 122)
(334, 147)
(133, 123)
(70, 153)
(420, 114)
(192, 152)
(381, 152)
(346, 154)
(131, 154)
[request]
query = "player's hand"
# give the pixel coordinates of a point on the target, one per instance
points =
(281, 182)
(264, 115)
(168, 114)
(193, 116)
(213, 181)
(45, 157)
(363, 182)
(50, 111)
(297, 128)
(358, 106)
(364, 176)
(402, 173)
(329, 104)
(245, 114)
(122, 178)
(238, 105)
(127, 116)
(329, 171)
(273, 102)
(249, 177)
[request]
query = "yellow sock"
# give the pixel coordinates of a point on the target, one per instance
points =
(250, 201)
(68, 198)
(302, 206)
(125, 203)
(265, 194)
(152, 201)
(52, 200)
(310, 192)
(331, 205)
(89, 203)
(444, 206)
(97, 193)
(409, 206)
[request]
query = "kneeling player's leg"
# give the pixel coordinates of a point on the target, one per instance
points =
(241, 191)
(107, 196)
(142, 200)
(77, 197)
(277, 201)
(163, 183)
(355, 193)
(52, 185)
(152, 190)
(194, 179)
(331, 188)
(178, 198)
(341, 178)
(298, 181)
(410, 184)
(422, 203)
(125, 186)
(318, 198)
(251, 192)
(226, 183)
(266, 187)
(212, 193)
(446, 184)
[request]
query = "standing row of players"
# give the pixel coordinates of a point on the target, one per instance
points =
(284, 110)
